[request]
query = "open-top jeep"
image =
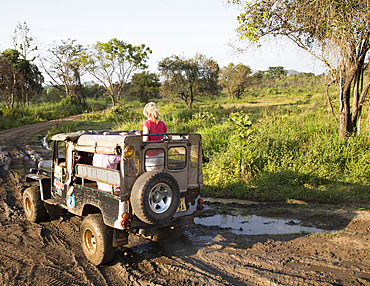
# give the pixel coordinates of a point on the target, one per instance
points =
(155, 198)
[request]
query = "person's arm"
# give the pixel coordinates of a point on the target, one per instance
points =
(165, 131)
(145, 131)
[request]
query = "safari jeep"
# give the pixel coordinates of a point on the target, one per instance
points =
(156, 199)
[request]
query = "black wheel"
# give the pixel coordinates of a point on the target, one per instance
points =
(96, 240)
(168, 234)
(33, 206)
(155, 197)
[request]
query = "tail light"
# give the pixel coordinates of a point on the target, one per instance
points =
(125, 222)
(200, 204)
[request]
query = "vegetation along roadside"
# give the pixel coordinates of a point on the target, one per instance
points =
(278, 142)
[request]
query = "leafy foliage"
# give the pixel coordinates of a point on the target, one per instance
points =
(144, 86)
(189, 78)
(235, 79)
(113, 63)
(19, 79)
(64, 67)
(241, 124)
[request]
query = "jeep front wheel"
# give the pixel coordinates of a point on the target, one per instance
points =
(155, 197)
(33, 206)
(96, 240)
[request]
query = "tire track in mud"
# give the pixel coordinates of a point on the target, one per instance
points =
(36, 254)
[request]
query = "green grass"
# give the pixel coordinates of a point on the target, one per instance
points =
(291, 149)
(292, 152)
(35, 113)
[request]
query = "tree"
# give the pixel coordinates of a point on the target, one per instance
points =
(276, 72)
(235, 79)
(7, 82)
(18, 77)
(189, 78)
(65, 67)
(335, 32)
(144, 85)
(32, 80)
(22, 41)
(93, 90)
(113, 63)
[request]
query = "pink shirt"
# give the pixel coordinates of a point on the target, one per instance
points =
(155, 129)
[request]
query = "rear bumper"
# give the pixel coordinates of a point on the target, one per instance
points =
(181, 222)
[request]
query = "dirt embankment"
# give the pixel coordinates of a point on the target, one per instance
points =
(49, 253)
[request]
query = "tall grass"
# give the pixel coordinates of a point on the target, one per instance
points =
(292, 152)
(276, 143)
(19, 116)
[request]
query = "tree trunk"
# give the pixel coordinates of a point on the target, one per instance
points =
(348, 120)
(113, 100)
(344, 118)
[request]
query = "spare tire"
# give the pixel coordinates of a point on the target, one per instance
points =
(155, 197)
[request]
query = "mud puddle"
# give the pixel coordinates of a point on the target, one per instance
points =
(255, 225)
(230, 214)
(45, 143)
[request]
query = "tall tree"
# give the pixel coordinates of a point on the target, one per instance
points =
(189, 78)
(64, 67)
(17, 78)
(144, 85)
(113, 63)
(335, 32)
(235, 79)
(7, 82)
(23, 42)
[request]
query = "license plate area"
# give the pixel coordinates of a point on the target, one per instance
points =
(182, 206)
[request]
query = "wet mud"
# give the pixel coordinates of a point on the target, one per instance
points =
(49, 253)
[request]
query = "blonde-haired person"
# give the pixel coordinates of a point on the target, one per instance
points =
(153, 125)
(154, 158)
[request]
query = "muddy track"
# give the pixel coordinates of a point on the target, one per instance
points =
(49, 253)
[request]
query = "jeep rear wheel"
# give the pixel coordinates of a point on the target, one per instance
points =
(96, 240)
(155, 197)
(33, 206)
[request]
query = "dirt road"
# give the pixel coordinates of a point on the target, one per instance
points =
(49, 253)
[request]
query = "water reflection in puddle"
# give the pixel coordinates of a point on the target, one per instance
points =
(45, 143)
(254, 225)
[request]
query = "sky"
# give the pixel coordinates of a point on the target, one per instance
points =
(167, 27)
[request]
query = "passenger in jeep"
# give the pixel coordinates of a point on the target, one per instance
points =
(110, 162)
(153, 125)
(155, 157)
(77, 160)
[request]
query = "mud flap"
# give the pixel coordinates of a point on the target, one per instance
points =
(53, 210)
(120, 237)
